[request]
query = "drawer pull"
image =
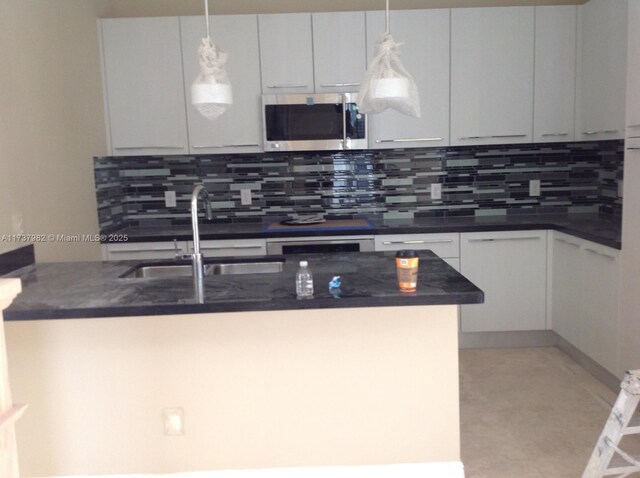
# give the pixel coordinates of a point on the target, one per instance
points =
(474, 137)
(598, 253)
(509, 136)
(215, 248)
(159, 249)
(634, 126)
(634, 148)
(329, 85)
(287, 86)
(633, 137)
(549, 135)
(407, 140)
(588, 133)
(148, 147)
(569, 243)
(610, 131)
(226, 146)
(434, 241)
(492, 239)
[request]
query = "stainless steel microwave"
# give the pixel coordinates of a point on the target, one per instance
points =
(306, 122)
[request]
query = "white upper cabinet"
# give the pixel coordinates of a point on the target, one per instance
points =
(143, 86)
(492, 75)
(239, 129)
(425, 54)
(286, 53)
(555, 73)
(602, 59)
(339, 51)
(633, 77)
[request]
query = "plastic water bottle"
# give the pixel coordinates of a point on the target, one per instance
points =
(304, 281)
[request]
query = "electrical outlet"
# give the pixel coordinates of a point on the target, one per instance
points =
(245, 197)
(17, 223)
(436, 191)
(620, 188)
(170, 198)
(534, 187)
(173, 421)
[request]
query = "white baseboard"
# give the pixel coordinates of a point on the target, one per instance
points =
(453, 469)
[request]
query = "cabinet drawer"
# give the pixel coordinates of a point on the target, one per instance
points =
(144, 250)
(231, 247)
(444, 245)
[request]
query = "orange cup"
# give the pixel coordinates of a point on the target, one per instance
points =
(407, 269)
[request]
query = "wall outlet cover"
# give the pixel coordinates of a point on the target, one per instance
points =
(245, 197)
(436, 191)
(534, 187)
(17, 223)
(170, 199)
(173, 419)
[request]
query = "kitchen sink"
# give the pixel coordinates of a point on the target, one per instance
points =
(150, 271)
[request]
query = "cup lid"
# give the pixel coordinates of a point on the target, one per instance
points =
(406, 253)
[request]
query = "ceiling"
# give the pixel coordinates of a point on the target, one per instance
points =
(149, 8)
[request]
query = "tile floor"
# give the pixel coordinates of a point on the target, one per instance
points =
(530, 413)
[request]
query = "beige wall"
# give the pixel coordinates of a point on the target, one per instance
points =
(51, 121)
(259, 390)
(142, 8)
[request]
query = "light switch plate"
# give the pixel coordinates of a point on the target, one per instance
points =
(534, 187)
(436, 191)
(170, 198)
(173, 421)
(245, 197)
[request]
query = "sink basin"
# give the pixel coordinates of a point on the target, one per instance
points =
(149, 271)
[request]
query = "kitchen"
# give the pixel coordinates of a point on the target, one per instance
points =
(56, 167)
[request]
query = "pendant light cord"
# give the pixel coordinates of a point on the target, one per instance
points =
(206, 17)
(387, 16)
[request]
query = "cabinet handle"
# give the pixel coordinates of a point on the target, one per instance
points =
(327, 85)
(407, 140)
(588, 133)
(564, 241)
(634, 126)
(633, 137)
(474, 137)
(634, 148)
(527, 238)
(226, 146)
(509, 136)
(230, 247)
(159, 249)
(598, 253)
(548, 135)
(609, 131)
(434, 241)
(287, 86)
(149, 147)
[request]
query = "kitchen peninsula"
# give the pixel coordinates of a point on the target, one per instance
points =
(363, 376)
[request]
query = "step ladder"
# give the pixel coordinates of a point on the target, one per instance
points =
(617, 426)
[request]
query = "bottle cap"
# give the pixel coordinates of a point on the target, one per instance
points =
(304, 263)
(406, 254)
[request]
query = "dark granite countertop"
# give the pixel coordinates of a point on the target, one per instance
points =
(605, 230)
(96, 289)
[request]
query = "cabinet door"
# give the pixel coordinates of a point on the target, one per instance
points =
(510, 267)
(567, 287)
(239, 129)
(425, 54)
(602, 57)
(600, 324)
(492, 75)
(339, 51)
(555, 73)
(143, 86)
(286, 59)
(633, 76)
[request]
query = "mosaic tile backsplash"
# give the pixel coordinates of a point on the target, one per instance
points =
(479, 180)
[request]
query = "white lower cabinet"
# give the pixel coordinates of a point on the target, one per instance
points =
(232, 247)
(584, 303)
(510, 268)
(143, 250)
(446, 246)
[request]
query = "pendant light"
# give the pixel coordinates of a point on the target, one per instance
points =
(387, 84)
(211, 91)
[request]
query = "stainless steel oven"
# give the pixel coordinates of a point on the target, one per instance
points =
(311, 245)
(304, 122)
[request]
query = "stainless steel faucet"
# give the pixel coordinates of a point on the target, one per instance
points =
(196, 257)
